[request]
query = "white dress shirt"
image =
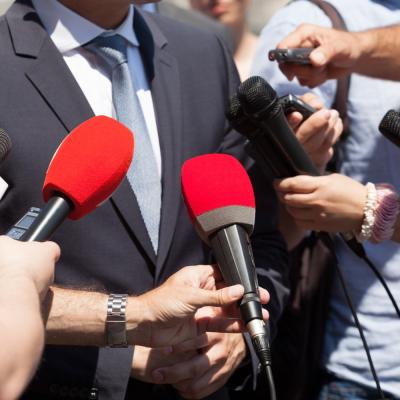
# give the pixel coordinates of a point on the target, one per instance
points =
(69, 32)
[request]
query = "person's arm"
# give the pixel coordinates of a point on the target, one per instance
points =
(26, 270)
(332, 203)
(163, 316)
(374, 53)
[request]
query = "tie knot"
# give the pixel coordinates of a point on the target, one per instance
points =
(112, 49)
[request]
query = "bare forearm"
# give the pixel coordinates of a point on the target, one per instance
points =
(22, 336)
(78, 318)
(379, 53)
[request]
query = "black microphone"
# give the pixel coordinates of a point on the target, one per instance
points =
(262, 148)
(390, 127)
(5, 145)
(261, 105)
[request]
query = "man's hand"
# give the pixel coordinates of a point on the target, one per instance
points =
(28, 261)
(203, 374)
(336, 54)
(332, 203)
(318, 133)
(146, 360)
(168, 312)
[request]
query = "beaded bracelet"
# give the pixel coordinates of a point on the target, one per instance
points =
(386, 213)
(369, 214)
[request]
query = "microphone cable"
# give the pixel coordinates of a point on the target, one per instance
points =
(326, 238)
(375, 270)
(271, 383)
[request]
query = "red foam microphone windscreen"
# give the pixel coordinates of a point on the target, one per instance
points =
(89, 164)
(214, 181)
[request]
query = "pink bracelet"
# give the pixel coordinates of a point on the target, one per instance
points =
(386, 212)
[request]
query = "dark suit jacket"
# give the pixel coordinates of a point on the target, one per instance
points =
(191, 78)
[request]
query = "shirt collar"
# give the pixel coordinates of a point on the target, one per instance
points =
(68, 30)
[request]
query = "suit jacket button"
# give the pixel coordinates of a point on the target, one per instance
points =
(94, 394)
(54, 388)
(64, 391)
(74, 392)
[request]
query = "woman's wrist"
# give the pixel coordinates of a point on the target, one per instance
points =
(380, 213)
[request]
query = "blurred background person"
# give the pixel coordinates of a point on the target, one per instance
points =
(365, 156)
(233, 14)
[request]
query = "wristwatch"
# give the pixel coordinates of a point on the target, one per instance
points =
(116, 320)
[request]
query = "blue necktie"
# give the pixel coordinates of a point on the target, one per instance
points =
(142, 174)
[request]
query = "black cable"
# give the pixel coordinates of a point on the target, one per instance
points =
(384, 284)
(360, 252)
(329, 242)
(271, 383)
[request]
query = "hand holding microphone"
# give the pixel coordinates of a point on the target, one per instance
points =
(281, 149)
(85, 170)
(191, 302)
(220, 201)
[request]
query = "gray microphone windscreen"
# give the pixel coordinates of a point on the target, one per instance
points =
(256, 95)
(390, 127)
(5, 145)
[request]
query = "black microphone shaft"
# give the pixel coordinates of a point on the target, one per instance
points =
(282, 134)
(50, 218)
(231, 247)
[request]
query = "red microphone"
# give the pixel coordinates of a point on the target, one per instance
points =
(219, 197)
(85, 170)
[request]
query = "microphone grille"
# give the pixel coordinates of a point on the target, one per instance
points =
(234, 109)
(5, 144)
(390, 126)
(255, 94)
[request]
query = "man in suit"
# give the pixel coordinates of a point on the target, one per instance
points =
(54, 79)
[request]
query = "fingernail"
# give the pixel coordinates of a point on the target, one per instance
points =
(318, 58)
(157, 376)
(335, 113)
(326, 114)
(236, 291)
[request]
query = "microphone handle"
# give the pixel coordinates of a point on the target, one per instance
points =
(231, 246)
(50, 218)
(282, 134)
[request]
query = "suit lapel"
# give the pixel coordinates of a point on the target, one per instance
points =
(55, 83)
(47, 71)
(165, 88)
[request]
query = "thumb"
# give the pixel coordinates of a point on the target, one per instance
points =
(322, 55)
(221, 297)
(53, 250)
